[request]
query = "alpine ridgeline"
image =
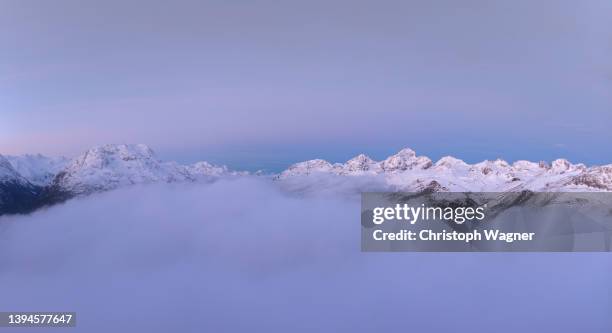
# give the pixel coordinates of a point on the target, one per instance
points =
(31, 181)
(405, 171)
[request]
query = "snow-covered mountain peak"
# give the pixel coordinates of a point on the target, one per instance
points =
(405, 159)
(405, 153)
(360, 162)
(496, 167)
(450, 162)
(108, 155)
(561, 166)
(206, 169)
(361, 158)
(497, 163)
(523, 165)
(599, 177)
(111, 166)
(501, 163)
(308, 167)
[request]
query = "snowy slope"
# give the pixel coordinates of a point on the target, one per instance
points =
(405, 171)
(17, 195)
(9, 174)
(38, 169)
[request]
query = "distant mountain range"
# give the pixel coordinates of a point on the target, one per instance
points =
(405, 171)
(32, 181)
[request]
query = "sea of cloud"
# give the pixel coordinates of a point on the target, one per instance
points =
(256, 255)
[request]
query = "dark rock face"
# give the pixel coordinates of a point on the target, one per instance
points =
(54, 194)
(19, 198)
(20, 195)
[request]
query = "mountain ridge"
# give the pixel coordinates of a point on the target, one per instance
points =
(408, 172)
(98, 169)
(31, 181)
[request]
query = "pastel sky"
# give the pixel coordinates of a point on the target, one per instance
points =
(261, 84)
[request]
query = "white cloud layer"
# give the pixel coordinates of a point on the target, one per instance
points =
(246, 255)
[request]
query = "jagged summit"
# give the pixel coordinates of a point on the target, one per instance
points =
(562, 165)
(112, 156)
(103, 168)
(111, 166)
(405, 159)
(308, 167)
(406, 152)
(359, 163)
(31, 181)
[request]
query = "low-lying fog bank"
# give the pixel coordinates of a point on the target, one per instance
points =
(251, 255)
